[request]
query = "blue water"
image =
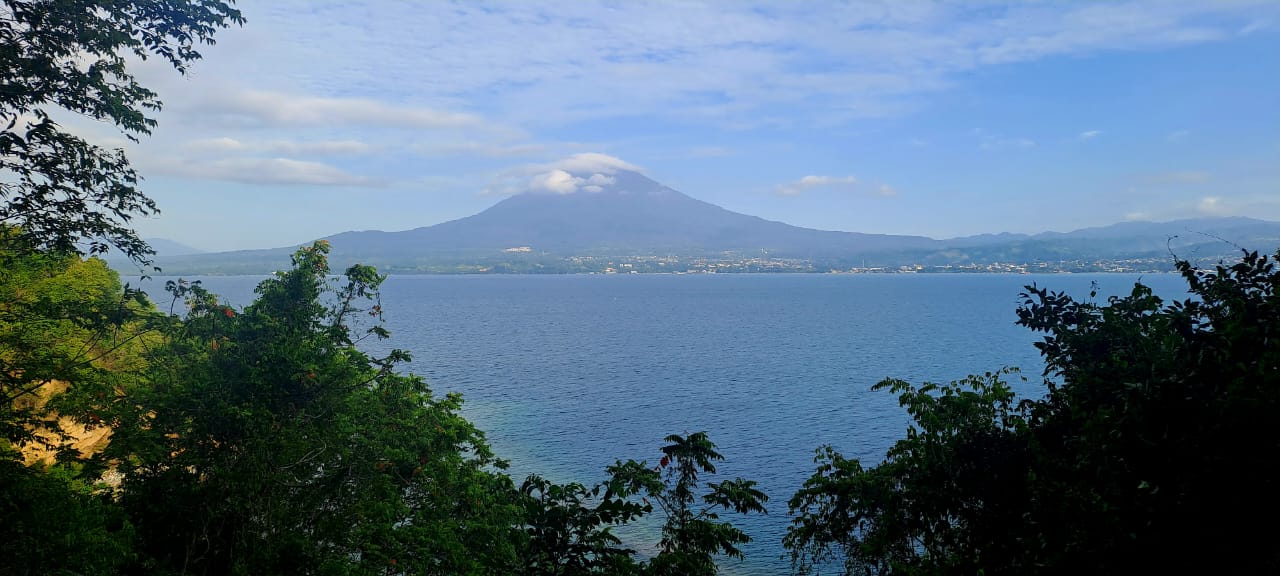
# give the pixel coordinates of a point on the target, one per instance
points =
(569, 373)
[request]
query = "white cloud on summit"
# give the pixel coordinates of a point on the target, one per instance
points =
(585, 172)
(559, 181)
(555, 181)
(593, 162)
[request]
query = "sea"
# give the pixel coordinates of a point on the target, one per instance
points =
(567, 374)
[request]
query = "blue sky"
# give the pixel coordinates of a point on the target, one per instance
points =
(940, 119)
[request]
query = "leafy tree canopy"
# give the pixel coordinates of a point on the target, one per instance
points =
(61, 191)
(693, 533)
(1153, 451)
(265, 441)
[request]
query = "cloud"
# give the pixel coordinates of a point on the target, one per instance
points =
(1178, 136)
(267, 171)
(561, 181)
(799, 186)
(584, 172)
(1090, 134)
(1000, 142)
(274, 109)
(1180, 177)
(1212, 206)
(709, 152)
(487, 150)
(555, 181)
(1253, 26)
(886, 190)
(723, 62)
(593, 162)
(279, 147)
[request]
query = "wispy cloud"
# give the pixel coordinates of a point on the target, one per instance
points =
(1254, 26)
(1212, 206)
(484, 149)
(1178, 136)
(274, 109)
(1090, 134)
(593, 162)
(709, 152)
(988, 141)
(722, 62)
(267, 171)
(279, 147)
(808, 182)
(1179, 177)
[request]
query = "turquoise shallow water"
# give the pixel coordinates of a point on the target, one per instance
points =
(569, 373)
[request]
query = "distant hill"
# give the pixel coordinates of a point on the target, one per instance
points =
(1203, 239)
(164, 248)
(626, 214)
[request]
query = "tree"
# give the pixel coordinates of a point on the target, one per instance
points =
(62, 320)
(53, 523)
(568, 529)
(266, 441)
(946, 499)
(60, 191)
(1152, 451)
(692, 534)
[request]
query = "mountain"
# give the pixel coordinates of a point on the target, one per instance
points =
(1201, 239)
(166, 247)
(631, 215)
(163, 247)
(587, 218)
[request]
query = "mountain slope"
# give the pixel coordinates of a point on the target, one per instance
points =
(631, 215)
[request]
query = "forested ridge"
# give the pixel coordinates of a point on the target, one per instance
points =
(186, 436)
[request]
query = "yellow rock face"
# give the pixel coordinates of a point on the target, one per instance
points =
(88, 440)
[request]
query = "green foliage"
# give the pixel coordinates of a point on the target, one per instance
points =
(692, 534)
(59, 189)
(64, 319)
(267, 442)
(569, 529)
(53, 524)
(68, 334)
(1151, 453)
(938, 504)
(1163, 414)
